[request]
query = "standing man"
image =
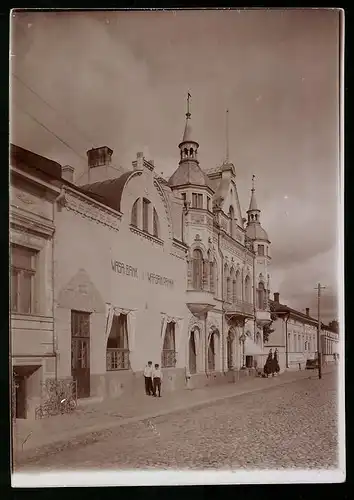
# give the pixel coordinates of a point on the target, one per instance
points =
(148, 379)
(157, 379)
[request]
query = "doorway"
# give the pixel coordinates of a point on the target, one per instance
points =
(80, 352)
(20, 396)
(192, 354)
(230, 351)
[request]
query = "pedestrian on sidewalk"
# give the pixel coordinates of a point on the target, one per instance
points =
(268, 367)
(276, 367)
(157, 379)
(149, 390)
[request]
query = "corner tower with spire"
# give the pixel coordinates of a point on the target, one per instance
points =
(261, 246)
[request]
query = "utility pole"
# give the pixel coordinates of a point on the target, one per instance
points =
(319, 357)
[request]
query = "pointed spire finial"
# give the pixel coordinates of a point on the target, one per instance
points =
(227, 136)
(188, 114)
(253, 178)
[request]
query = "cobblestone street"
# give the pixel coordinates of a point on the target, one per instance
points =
(288, 426)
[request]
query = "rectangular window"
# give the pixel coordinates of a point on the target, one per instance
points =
(261, 250)
(23, 273)
(208, 203)
(194, 200)
(146, 204)
(184, 197)
(117, 345)
(200, 201)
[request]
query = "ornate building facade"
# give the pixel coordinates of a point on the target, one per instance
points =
(144, 268)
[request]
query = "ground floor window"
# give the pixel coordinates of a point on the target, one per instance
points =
(168, 357)
(230, 349)
(211, 353)
(249, 361)
(192, 353)
(117, 345)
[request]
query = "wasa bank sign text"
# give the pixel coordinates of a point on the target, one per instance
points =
(134, 272)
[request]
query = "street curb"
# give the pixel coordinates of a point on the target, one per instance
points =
(92, 434)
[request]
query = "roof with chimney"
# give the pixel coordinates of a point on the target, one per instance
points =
(277, 307)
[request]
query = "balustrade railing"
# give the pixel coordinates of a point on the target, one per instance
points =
(168, 358)
(239, 306)
(117, 359)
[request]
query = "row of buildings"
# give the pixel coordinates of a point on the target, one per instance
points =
(129, 267)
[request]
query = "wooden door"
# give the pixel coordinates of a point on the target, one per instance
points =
(80, 352)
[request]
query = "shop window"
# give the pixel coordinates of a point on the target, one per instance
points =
(146, 207)
(197, 269)
(134, 217)
(23, 274)
(117, 344)
(168, 358)
(156, 223)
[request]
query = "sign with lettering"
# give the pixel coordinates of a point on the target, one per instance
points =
(133, 272)
(121, 268)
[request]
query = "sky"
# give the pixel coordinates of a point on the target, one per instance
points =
(120, 79)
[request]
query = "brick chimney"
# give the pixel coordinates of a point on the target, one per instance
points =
(67, 173)
(99, 157)
(307, 311)
(276, 297)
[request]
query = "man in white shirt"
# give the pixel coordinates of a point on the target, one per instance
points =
(149, 390)
(157, 379)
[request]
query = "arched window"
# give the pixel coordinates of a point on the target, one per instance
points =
(211, 352)
(191, 152)
(197, 269)
(146, 207)
(168, 358)
(134, 216)
(261, 296)
(231, 221)
(225, 285)
(155, 224)
(248, 289)
(238, 285)
(193, 351)
(232, 286)
(117, 355)
(185, 152)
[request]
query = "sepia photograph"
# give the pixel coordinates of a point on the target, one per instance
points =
(176, 247)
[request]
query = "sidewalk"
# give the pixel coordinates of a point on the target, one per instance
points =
(86, 424)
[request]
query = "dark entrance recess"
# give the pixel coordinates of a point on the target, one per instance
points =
(249, 361)
(20, 377)
(80, 352)
(192, 354)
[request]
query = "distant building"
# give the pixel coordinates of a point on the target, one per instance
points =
(295, 337)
